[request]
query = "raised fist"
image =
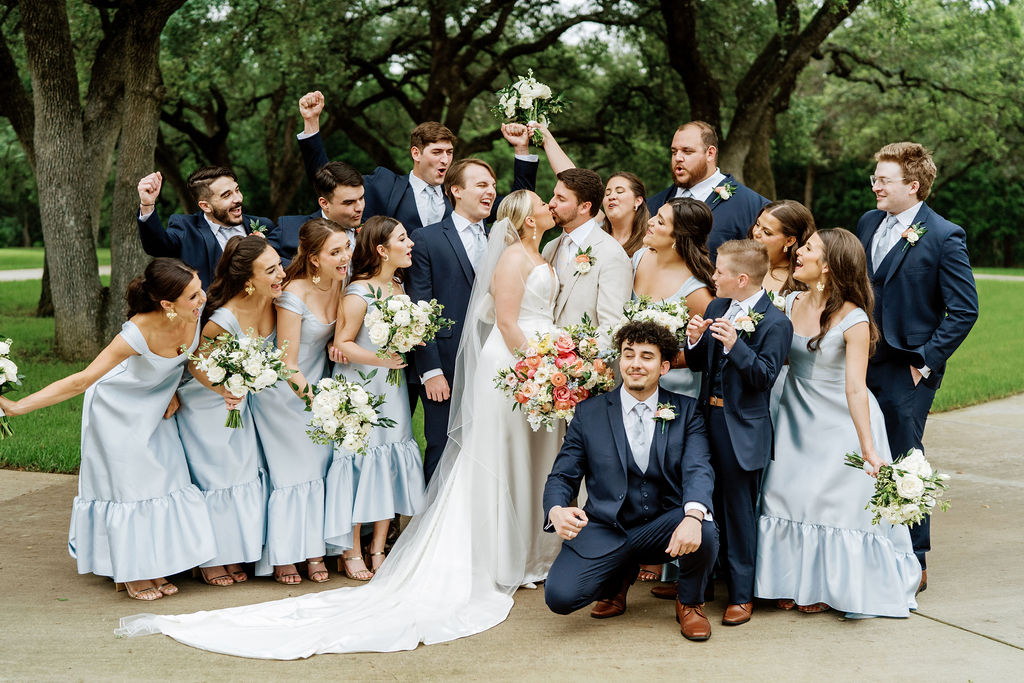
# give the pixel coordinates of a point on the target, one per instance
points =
(149, 188)
(311, 105)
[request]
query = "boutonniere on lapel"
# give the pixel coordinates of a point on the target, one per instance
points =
(778, 301)
(913, 235)
(257, 228)
(664, 415)
(584, 261)
(725, 191)
(746, 324)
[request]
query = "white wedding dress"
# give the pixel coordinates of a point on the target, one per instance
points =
(453, 571)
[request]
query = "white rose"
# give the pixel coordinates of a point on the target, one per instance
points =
(419, 330)
(909, 485)
(912, 237)
(351, 442)
(326, 384)
(373, 315)
(583, 267)
(379, 333)
(5, 348)
(329, 425)
(216, 374)
(265, 379)
(538, 91)
(394, 305)
(402, 318)
(525, 102)
(236, 385)
(252, 366)
(350, 422)
(322, 409)
(404, 298)
(358, 396)
(367, 414)
(910, 511)
(747, 326)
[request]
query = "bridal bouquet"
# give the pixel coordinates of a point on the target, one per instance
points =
(396, 325)
(527, 100)
(671, 314)
(906, 491)
(243, 364)
(556, 371)
(9, 380)
(344, 412)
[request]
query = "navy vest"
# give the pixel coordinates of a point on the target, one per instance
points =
(647, 493)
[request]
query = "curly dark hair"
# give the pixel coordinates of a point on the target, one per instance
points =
(648, 332)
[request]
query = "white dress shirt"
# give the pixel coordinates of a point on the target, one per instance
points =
(470, 234)
(904, 220)
(427, 205)
(351, 232)
(570, 243)
(703, 189)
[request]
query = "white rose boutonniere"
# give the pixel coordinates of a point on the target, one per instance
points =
(664, 414)
(913, 235)
(746, 324)
(257, 228)
(725, 191)
(584, 261)
(777, 300)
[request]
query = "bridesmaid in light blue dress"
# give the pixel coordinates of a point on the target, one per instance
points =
(137, 517)
(225, 462)
(816, 545)
(389, 475)
(297, 467)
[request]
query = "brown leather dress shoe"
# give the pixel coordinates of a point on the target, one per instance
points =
(611, 607)
(665, 591)
(737, 614)
(923, 586)
(692, 622)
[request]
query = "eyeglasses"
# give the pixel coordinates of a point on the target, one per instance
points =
(882, 180)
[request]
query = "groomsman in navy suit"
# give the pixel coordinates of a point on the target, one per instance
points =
(198, 239)
(339, 190)
(739, 346)
(644, 453)
(925, 299)
(445, 258)
(695, 174)
(415, 199)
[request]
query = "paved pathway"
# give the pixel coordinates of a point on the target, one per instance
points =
(59, 625)
(34, 274)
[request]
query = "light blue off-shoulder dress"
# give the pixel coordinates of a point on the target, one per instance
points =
(296, 466)
(815, 540)
(225, 464)
(388, 478)
(137, 514)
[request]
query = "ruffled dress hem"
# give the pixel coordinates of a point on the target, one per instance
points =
(238, 514)
(388, 480)
(295, 523)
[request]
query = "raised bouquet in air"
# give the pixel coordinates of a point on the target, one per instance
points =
(396, 325)
(344, 412)
(906, 491)
(527, 100)
(557, 370)
(9, 380)
(244, 364)
(671, 314)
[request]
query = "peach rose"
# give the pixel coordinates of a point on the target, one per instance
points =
(558, 379)
(522, 398)
(562, 405)
(599, 365)
(533, 361)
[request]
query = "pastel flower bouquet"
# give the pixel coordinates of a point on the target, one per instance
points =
(671, 314)
(344, 412)
(556, 371)
(906, 491)
(396, 325)
(527, 100)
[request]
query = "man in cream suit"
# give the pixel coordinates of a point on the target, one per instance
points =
(594, 273)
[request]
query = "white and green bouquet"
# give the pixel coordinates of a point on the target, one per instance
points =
(671, 314)
(9, 381)
(526, 100)
(906, 491)
(344, 412)
(396, 325)
(244, 364)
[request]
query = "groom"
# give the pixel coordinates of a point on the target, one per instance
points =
(646, 460)
(925, 300)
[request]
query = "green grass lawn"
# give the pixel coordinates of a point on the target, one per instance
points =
(987, 366)
(16, 258)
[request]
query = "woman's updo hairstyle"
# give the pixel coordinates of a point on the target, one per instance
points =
(691, 225)
(233, 270)
(163, 280)
(516, 207)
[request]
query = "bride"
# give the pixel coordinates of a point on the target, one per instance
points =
(453, 571)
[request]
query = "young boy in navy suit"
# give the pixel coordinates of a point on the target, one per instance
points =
(739, 347)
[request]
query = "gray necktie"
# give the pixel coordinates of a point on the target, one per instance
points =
(436, 203)
(478, 243)
(564, 257)
(735, 309)
(883, 241)
(638, 436)
(683, 193)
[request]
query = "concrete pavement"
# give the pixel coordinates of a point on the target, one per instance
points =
(59, 625)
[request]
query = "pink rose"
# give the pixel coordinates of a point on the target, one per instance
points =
(562, 393)
(564, 344)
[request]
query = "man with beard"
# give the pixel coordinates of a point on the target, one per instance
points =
(198, 239)
(695, 174)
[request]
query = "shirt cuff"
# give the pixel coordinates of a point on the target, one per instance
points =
(303, 135)
(694, 505)
(925, 371)
(430, 374)
(144, 216)
(528, 157)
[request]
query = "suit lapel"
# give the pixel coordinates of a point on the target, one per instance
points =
(565, 292)
(397, 195)
(714, 200)
(866, 239)
(614, 406)
(213, 250)
(661, 433)
(449, 230)
(903, 246)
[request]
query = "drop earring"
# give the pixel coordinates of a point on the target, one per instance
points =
(249, 289)
(820, 287)
(316, 277)
(171, 315)
(785, 249)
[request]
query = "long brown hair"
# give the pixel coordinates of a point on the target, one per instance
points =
(847, 281)
(691, 225)
(163, 280)
(233, 270)
(640, 217)
(366, 262)
(797, 222)
(312, 236)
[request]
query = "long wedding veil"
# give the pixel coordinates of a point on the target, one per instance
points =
(452, 572)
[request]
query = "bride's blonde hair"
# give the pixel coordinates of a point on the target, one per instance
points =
(516, 207)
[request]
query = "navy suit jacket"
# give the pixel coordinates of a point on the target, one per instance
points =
(286, 237)
(750, 370)
(733, 216)
(925, 298)
(389, 194)
(188, 237)
(596, 447)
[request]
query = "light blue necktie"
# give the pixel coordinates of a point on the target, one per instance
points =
(638, 436)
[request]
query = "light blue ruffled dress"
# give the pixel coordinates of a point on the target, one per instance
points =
(137, 514)
(816, 542)
(388, 478)
(225, 464)
(296, 466)
(680, 380)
